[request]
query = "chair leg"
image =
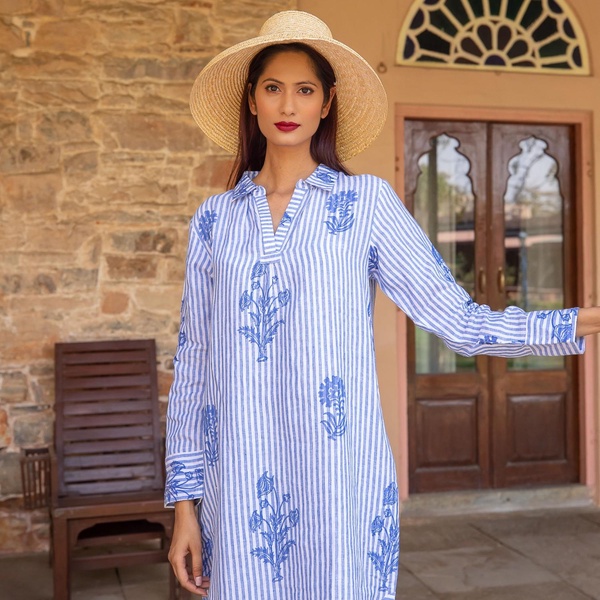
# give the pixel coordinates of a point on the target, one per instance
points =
(60, 545)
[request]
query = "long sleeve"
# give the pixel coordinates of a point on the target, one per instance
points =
(184, 443)
(412, 273)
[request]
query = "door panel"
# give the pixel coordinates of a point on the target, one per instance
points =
(534, 437)
(495, 200)
(449, 393)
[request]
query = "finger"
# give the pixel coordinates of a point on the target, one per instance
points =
(186, 581)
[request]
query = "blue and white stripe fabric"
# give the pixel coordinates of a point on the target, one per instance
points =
(274, 417)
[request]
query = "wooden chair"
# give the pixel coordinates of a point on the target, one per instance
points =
(107, 466)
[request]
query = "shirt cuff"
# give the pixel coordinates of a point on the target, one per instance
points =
(185, 478)
(552, 332)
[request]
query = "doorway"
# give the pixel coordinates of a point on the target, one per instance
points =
(497, 199)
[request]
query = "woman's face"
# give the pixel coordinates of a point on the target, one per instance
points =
(288, 101)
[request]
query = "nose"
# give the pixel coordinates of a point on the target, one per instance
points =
(288, 105)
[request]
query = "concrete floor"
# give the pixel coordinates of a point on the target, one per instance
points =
(533, 555)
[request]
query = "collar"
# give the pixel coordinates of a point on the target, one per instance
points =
(322, 177)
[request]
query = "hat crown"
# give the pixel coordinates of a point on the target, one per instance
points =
(295, 24)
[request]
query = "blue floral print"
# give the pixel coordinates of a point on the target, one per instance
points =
(340, 206)
(207, 553)
(324, 175)
(211, 436)
(181, 482)
(373, 260)
(386, 526)
(205, 224)
(562, 323)
(332, 394)
(263, 304)
(273, 524)
(182, 338)
(443, 268)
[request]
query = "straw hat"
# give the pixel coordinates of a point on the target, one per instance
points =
(362, 102)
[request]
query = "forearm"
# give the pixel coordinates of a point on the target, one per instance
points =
(588, 321)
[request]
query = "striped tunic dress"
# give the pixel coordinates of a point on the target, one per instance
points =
(274, 417)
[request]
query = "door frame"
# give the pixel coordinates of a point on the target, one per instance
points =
(589, 414)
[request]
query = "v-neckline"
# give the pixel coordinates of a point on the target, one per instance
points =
(273, 241)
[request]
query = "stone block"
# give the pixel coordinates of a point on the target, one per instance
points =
(29, 158)
(33, 194)
(158, 298)
(5, 434)
(10, 38)
(194, 31)
(164, 382)
(213, 172)
(10, 283)
(114, 303)
(78, 280)
(57, 238)
(44, 284)
(125, 268)
(65, 125)
(161, 241)
(34, 427)
(81, 166)
(16, 7)
(42, 390)
(172, 68)
(53, 66)
(8, 129)
(80, 94)
(174, 269)
(136, 27)
(13, 387)
(10, 473)
(13, 532)
(67, 36)
(153, 132)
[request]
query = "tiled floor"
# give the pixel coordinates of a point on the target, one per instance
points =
(541, 555)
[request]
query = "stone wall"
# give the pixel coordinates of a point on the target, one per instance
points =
(101, 167)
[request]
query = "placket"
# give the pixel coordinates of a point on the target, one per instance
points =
(273, 242)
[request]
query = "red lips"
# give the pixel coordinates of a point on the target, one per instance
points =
(285, 126)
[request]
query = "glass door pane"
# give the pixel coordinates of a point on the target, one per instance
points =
(533, 277)
(445, 209)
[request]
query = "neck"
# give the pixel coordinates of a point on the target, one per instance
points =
(283, 168)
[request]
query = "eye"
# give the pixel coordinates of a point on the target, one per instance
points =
(271, 88)
(305, 91)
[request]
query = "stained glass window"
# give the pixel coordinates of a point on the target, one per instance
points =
(518, 35)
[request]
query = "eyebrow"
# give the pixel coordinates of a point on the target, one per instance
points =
(282, 83)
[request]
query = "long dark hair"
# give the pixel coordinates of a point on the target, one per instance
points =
(253, 144)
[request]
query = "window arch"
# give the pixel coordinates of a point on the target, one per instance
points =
(517, 35)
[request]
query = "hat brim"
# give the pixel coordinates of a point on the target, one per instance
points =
(362, 102)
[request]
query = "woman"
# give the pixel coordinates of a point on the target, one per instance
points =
(274, 425)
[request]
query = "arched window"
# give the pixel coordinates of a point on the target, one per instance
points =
(517, 35)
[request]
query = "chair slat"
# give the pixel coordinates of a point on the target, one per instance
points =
(99, 421)
(107, 407)
(77, 357)
(128, 472)
(104, 460)
(106, 433)
(70, 396)
(103, 382)
(108, 447)
(113, 487)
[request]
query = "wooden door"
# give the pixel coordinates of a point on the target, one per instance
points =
(496, 200)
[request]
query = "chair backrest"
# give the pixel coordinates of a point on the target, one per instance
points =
(107, 433)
